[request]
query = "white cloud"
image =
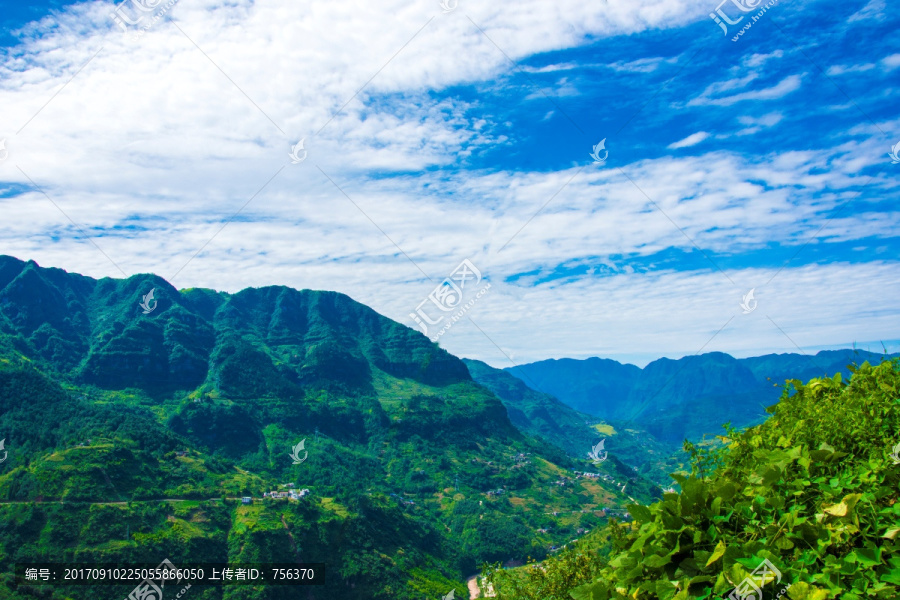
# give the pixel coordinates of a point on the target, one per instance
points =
(873, 10)
(757, 124)
(151, 148)
(139, 109)
(784, 87)
(891, 62)
(837, 70)
(301, 231)
(562, 88)
(757, 60)
(677, 314)
(691, 140)
(642, 65)
(552, 68)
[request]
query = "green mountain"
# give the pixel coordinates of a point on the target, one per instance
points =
(536, 413)
(542, 416)
(685, 398)
(595, 386)
(133, 424)
(803, 506)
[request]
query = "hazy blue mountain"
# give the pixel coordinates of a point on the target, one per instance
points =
(536, 413)
(778, 368)
(597, 386)
(688, 397)
(675, 399)
(542, 415)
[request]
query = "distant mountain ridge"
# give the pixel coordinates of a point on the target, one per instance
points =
(535, 412)
(684, 398)
(541, 415)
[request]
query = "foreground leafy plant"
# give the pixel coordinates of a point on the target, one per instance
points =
(813, 490)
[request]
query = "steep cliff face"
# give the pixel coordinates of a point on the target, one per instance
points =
(97, 332)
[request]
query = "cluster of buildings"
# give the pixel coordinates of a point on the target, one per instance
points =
(619, 514)
(290, 494)
(602, 476)
(521, 460)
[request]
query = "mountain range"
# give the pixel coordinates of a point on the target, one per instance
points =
(684, 398)
(135, 416)
(543, 416)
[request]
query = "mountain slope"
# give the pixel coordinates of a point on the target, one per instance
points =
(541, 415)
(596, 386)
(696, 395)
(535, 413)
(416, 472)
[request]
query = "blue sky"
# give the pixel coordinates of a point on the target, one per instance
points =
(758, 164)
(17, 15)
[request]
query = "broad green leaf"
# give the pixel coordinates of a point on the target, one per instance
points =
(717, 553)
(665, 590)
(640, 513)
(869, 556)
(892, 576)
(591, 591)
(783, 543)
(837, 510)
(654, 561)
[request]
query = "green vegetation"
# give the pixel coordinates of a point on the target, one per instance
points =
(542, 416)
(813, 490)
(132, 436)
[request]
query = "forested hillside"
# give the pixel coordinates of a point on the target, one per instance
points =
(541, 415)
(134, 424)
